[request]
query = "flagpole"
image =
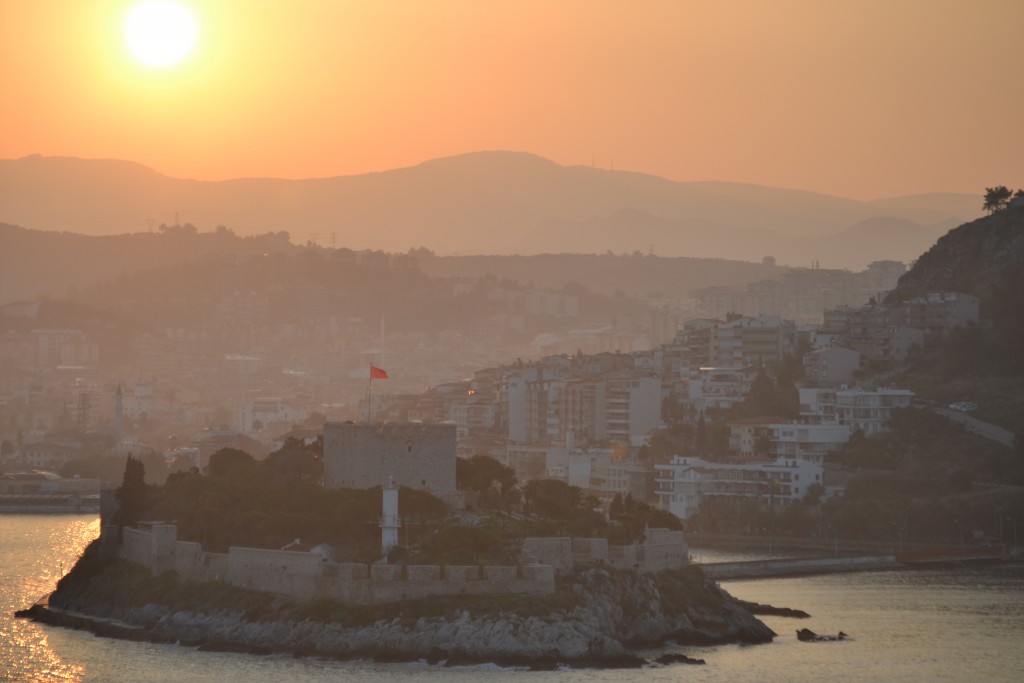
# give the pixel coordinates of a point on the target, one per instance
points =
(369, 399)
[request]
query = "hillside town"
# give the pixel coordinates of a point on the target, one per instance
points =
(695, 402)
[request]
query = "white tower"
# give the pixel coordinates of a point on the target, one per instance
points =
(389, 521)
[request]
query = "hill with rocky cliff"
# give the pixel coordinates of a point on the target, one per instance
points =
(984, 258)
(981, 364)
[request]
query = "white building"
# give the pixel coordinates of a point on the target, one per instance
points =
(811, 442)
(717, 388)
(546, 407)
(533, 393)
(831, 365)
(260, 413)
(684, 483)
(759, 340)
(866, 410)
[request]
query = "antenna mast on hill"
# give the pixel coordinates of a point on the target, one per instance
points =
(380, 354)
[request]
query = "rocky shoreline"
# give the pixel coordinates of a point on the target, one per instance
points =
(603, 616)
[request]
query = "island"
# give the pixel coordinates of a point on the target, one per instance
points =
(465, 586)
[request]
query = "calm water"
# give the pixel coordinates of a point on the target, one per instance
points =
(965, 625)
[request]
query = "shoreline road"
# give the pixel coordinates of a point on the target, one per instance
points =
(976, 426)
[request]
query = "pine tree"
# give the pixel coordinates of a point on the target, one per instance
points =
(131, 494)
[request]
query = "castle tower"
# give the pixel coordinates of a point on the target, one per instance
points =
(417, 456)
(389, 521)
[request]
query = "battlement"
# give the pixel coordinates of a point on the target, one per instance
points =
(661, 549)
(306, 576)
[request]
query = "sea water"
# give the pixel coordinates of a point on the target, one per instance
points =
(951, 624)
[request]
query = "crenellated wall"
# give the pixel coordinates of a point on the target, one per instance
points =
(306, 576)
(661, 549)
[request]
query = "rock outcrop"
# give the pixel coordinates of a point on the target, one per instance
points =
(979, 258)
(599, 616)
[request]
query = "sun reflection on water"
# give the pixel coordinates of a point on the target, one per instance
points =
(36, 553)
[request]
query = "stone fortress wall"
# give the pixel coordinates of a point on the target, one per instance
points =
(306, 576)
(419, 456)
(661, 549)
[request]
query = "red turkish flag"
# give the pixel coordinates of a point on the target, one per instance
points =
(377, 373)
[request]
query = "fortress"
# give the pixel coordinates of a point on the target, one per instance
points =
(307, 576)
(389, 455)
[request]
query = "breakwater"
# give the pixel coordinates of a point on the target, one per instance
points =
(758, 569)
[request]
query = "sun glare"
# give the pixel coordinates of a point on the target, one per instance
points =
(160, 33)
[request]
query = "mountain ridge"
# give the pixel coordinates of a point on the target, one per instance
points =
(482, 202)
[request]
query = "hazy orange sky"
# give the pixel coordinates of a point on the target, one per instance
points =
(859, 98)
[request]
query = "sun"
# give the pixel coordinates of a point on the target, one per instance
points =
(160, 33)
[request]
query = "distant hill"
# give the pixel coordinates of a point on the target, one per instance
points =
(637, 274)
(487, 202)
(875, 238)
(38, 262)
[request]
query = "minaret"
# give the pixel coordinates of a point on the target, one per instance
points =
(389, 521)
(119, 413)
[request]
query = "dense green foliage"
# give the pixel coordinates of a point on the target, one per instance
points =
(771, 395)
(131, 494)
(245, 502)
(494, 483)
(462, 545)
(629, 519)
(562, 510)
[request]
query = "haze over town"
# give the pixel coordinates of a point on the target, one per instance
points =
(584, 281)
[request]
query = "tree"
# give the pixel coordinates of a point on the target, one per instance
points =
(480, 472)
(131, 494)
(297, 462)
(616, 509)
(996, 198)
(229, 461)
(493, 481)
